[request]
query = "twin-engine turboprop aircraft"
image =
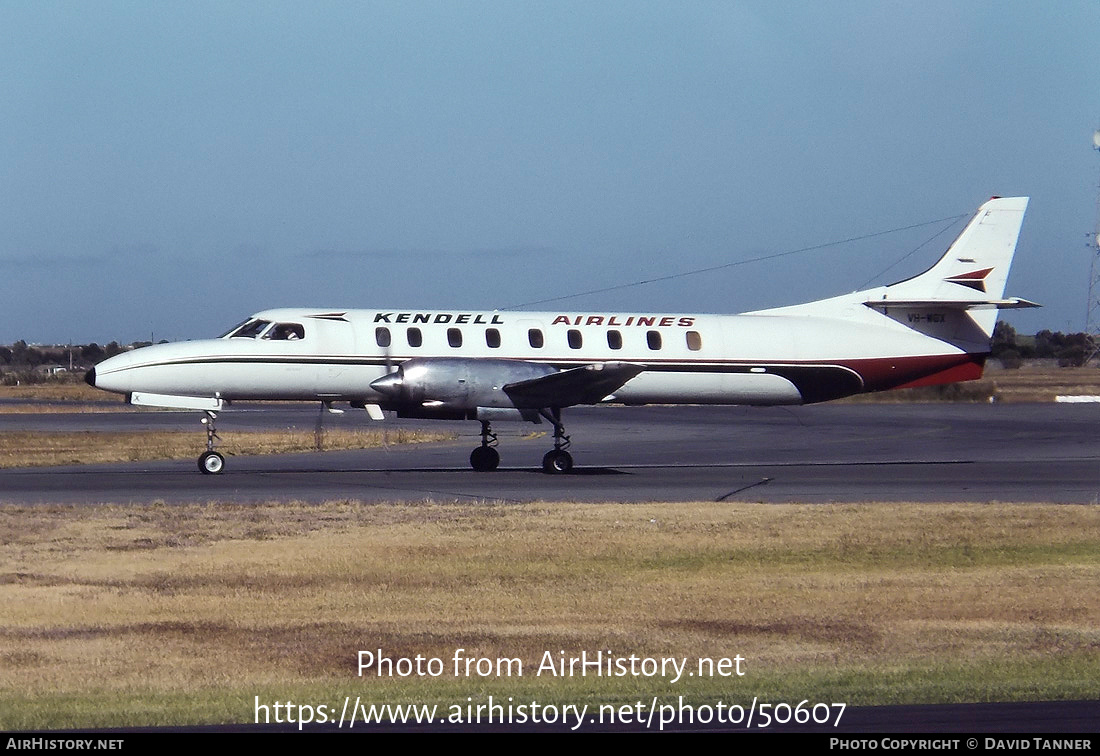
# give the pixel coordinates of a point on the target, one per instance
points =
(931, 329)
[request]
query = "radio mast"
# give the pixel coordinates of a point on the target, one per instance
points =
(1092, 316)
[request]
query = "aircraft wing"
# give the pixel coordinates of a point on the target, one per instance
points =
(587, 384)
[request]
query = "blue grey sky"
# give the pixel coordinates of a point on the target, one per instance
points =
(167, 168)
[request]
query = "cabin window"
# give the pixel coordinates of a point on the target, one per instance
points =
(414, 336)
(382, 336)
(286, 332)
(653, 338)
(694, 340)
(615, 339)
(534, 336)
(492, 338)
(575, 339)
(454, 337)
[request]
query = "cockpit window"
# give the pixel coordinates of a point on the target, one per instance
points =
(249, 329)
(286, 332)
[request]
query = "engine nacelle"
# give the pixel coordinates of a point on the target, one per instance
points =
(455, 384)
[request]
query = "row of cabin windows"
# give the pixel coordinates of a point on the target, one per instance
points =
(535, 338)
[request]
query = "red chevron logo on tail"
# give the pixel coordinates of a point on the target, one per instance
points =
(974, 280)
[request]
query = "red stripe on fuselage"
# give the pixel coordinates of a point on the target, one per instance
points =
(880, 374)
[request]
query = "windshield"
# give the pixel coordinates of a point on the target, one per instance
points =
(249, 329)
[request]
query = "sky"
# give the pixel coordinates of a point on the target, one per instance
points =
(168, 168)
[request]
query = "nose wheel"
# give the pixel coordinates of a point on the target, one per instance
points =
(210, 461)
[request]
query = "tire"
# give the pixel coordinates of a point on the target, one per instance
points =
(211, 463)
(557, 462)
(484, 458)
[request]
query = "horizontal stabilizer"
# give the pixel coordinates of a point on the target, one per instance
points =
(207, 403)
(587, 384)
(1012, 303)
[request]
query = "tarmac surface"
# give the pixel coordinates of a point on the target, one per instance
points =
(820, 453)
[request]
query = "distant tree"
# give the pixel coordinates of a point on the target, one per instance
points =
(92, 353)
(1004, 339)
(1044, 344)
(1071, 350)
(1076, 348)
(50, 356)
(1010, 359)
(5, 355)
(19, 353)
(113, 348)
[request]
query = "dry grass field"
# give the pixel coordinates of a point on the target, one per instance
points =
(1032, 383)
(60, 392)
(157, 614)
(37, 449)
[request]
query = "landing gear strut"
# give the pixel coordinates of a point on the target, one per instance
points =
(485, 457)
(557, 460)
(210, 461)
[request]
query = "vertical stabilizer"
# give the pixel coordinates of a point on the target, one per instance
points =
(971, 275)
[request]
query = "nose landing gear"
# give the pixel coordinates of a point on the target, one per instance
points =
(210, 461)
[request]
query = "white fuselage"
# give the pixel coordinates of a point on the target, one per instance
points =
(764, 358)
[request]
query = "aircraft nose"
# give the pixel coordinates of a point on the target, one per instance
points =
(112, 374)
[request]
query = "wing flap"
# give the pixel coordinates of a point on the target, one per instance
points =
(587, 384)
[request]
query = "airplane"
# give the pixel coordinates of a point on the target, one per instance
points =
(489, 366)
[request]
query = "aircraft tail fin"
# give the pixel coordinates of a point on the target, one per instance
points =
(971, 275)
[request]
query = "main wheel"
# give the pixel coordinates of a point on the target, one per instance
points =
(557, 461)
(211, 463)
(484, 458)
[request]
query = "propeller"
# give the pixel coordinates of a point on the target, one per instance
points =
(390, 383)
(374, 411)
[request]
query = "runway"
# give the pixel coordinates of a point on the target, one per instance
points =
(820, 453)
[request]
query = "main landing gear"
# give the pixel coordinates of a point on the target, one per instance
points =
(485, 457)
(210, 461)
(557, 460)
